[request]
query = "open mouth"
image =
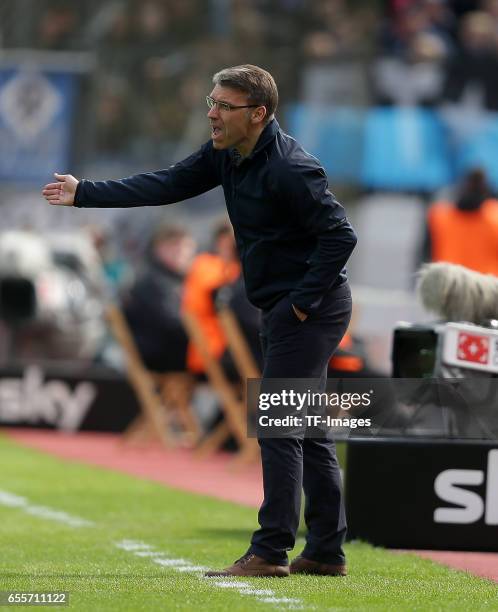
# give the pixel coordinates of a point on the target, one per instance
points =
(216, 132)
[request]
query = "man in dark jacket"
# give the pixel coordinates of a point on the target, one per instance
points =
(294, 240)
(152, 306)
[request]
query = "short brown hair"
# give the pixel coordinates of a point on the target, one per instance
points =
(257, 83)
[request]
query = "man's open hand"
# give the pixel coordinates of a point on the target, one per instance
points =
(62, 192)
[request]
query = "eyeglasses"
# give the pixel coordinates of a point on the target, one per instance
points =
(225, 106)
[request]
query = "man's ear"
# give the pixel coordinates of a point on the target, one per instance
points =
(259, 114)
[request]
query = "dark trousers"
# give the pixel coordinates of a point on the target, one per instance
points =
(294, 349)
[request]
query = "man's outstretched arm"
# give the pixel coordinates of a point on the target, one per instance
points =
(194, 175)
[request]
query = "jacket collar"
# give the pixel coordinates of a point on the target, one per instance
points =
(266, 136)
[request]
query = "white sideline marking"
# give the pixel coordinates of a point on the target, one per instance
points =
(192, 568)
(171, 562)
(143, 550)
(225, 584)
(133, 545)
(16, 501)
(281, 600)
(268, 596)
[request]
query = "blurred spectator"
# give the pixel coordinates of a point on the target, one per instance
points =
(491, 8)
(410, 19)
(114, 117)
(189, 18)
(465, 232)
(248, 25)
(283, 21)
(115, 268)
(153, 21)
(350, 360)
(442, 20)
(110, 32)
(152, 306)
(164, 116)
(332, 30)
(209, 272)
(472, 73)
(400, 29)
(153, 32)
(420, 72)
(58, 27)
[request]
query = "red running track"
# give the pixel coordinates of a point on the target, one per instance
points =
(180, 469)
(177, 468)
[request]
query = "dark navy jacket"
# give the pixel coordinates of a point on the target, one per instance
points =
(293, 236)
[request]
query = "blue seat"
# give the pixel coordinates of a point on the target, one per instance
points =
(406, 150)
(333, 134)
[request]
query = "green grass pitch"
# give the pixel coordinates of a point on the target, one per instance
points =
(40, 554)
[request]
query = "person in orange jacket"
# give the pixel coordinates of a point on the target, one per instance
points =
(465, 232)
(208, 273)
(346, 359)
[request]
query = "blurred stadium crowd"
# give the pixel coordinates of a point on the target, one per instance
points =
(154, 57)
